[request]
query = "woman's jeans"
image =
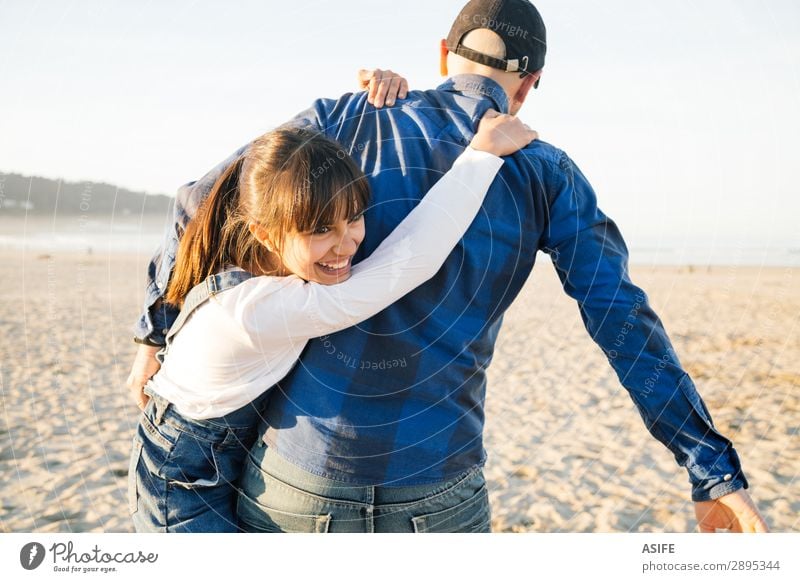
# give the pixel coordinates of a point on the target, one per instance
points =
(184, 473)
(278, 496)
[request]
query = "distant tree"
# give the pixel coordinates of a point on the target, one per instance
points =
(41, 196)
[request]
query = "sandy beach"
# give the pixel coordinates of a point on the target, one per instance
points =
(567, 450)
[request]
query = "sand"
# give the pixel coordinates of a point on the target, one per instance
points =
(567, 450)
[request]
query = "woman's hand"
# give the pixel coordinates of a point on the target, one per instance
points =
(144, 367)
(502, 134)
(385, 87)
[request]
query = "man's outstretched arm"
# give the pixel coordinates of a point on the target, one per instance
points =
(591, 260)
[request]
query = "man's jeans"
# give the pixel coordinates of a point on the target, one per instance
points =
(278, 496)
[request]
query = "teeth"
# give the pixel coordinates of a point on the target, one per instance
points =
(339, 265)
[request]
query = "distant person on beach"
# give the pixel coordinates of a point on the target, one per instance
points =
(262, 268)
(379, 427)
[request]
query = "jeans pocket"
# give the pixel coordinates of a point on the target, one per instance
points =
(133, 488)
(191, 463)
(258, 518)
(470, 515)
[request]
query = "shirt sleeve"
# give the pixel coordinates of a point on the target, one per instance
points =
(591, 259)
(158, 316)
(413, 253)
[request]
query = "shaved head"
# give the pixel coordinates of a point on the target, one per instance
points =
(485, 41)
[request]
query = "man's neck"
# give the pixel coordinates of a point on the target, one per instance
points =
(480, 85)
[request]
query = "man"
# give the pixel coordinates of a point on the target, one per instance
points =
(379, 427)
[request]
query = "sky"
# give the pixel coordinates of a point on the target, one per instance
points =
(683, 114)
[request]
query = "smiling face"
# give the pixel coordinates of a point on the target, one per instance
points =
(302, 198)
(324, 255)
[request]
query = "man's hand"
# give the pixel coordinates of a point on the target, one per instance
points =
(735, 512)
(384, 86)
(144, 367)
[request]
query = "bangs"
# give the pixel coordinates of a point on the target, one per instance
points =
(326, 204)
(327, 187)
(297, 180)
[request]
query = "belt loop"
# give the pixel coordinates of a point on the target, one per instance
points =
(159, 404)
(159, 409)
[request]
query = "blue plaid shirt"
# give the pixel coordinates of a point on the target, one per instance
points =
(399, 399)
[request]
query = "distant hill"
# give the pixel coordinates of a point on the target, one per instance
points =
(41, 196)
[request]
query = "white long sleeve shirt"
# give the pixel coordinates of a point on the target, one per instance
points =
(245, 339)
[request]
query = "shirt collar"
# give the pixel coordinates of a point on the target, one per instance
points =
(478, 86)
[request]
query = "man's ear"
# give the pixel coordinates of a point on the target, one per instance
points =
(443, 52)
(525, 87)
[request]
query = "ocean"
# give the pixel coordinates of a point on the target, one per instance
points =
(82, 234)
(142, 234)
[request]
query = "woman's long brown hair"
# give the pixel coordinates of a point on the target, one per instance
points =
(288, 180)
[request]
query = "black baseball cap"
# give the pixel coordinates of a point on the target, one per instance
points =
(517, 22)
